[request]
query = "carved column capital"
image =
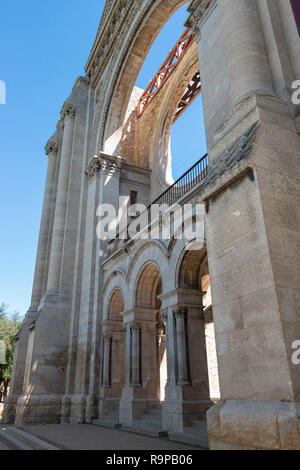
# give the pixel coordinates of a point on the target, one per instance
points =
(164, 315)
(137, 327)
(68, 111)
(103, 163)
(51, 147)
(199, 10)
(180, 312)
(107, 336)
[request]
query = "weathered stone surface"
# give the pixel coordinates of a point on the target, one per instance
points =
(112, 333)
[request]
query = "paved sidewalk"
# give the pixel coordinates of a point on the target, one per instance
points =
(3, 445)
(89, 437)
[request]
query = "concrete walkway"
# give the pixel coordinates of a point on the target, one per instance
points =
(4, 445)
(89, 437)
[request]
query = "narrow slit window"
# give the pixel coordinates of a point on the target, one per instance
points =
(133, 198)
(296, 10)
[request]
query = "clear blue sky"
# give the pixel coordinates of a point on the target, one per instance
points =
(43, 48)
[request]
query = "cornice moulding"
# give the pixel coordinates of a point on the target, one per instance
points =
(105, 33)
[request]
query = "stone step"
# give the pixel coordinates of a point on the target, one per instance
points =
(12, 442)
(150, 421)
(107, 422)
(153, 412)
(25, 440)
(194, 436)
(150, 430)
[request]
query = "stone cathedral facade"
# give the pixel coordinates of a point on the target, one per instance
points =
(188, 339)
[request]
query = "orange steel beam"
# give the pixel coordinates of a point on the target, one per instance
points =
(191, 92)
(161, 76)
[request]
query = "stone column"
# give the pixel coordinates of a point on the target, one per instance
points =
(51, 150)
(229, 33)
(16, 386)
(248, 66)
(113, 370)
(181, 343)
(135, 370)
(140, 390)
(107, 341)
(252, 224)
(187, 390)
(68, 119)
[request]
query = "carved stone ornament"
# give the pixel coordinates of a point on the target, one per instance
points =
(51, 147)
(199, 10)
(180, 312)
(68, 111)
(103, 163)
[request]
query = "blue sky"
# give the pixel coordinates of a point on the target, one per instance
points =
(43, 48)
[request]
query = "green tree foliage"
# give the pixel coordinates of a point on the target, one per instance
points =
(9, 326)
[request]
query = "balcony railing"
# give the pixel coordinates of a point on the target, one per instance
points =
(184, 184)
(174, 193)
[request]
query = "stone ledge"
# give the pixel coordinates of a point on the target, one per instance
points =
(245, 424)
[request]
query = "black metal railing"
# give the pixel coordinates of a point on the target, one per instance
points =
(184, 184)
(176, 191)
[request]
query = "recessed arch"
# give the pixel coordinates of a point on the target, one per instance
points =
(190, 265)
(148, 287)
(115, 305)
(140, 38)
(158, 252)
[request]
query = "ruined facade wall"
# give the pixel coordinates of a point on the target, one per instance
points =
(249, 54)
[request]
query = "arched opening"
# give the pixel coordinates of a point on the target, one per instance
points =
(149, 288)
(187, 138)
(163, 128)
(152, 22)
(116, 306)
(194, 275)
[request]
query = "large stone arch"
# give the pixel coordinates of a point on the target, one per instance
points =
(147, 21)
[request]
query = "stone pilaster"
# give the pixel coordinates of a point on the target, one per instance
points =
(112, 367)
(19, 366)
(181, 315)
(51, 151)
(68, 119)
(103, 174)
(135, 367)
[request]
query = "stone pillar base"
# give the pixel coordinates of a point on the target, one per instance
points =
(9, 410)
(38, 409)
(133, 408)
(108, 405)
(247, 424)
(91, 409)
(179, 413)
(78, 409)
(66, 409)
